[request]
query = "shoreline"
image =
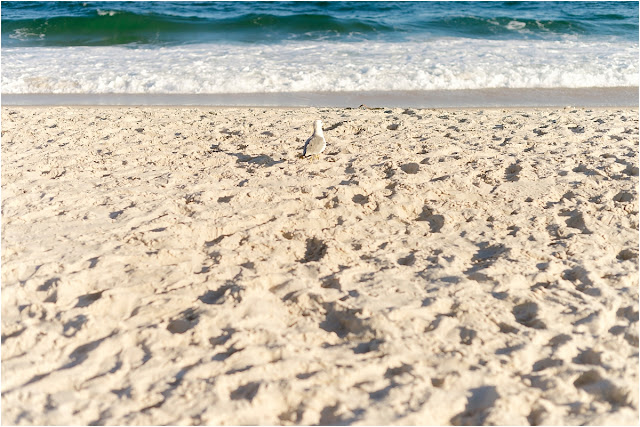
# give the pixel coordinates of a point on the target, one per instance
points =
(474, 98)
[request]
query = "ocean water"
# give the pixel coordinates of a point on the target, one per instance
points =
(329, 47)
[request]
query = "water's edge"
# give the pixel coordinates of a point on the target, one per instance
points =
(556, 97)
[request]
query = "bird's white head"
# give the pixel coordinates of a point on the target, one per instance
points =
(317, 126)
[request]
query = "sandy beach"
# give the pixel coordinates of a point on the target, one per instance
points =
(434, 266)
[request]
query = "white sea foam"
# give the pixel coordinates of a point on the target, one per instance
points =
(107, 12)
(311, 66)
(516, 25)
(24, 34)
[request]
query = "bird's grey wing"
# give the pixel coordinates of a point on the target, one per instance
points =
(306, 145)
(314, 145)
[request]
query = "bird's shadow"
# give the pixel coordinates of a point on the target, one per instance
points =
(332, 127)
(261, 159)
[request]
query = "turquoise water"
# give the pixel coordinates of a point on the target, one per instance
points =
(171, 23)
(269, 47)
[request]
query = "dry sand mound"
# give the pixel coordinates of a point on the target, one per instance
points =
(183, 266)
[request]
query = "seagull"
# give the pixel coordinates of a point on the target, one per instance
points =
(316, 142)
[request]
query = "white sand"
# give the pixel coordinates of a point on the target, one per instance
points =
(183, 266)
